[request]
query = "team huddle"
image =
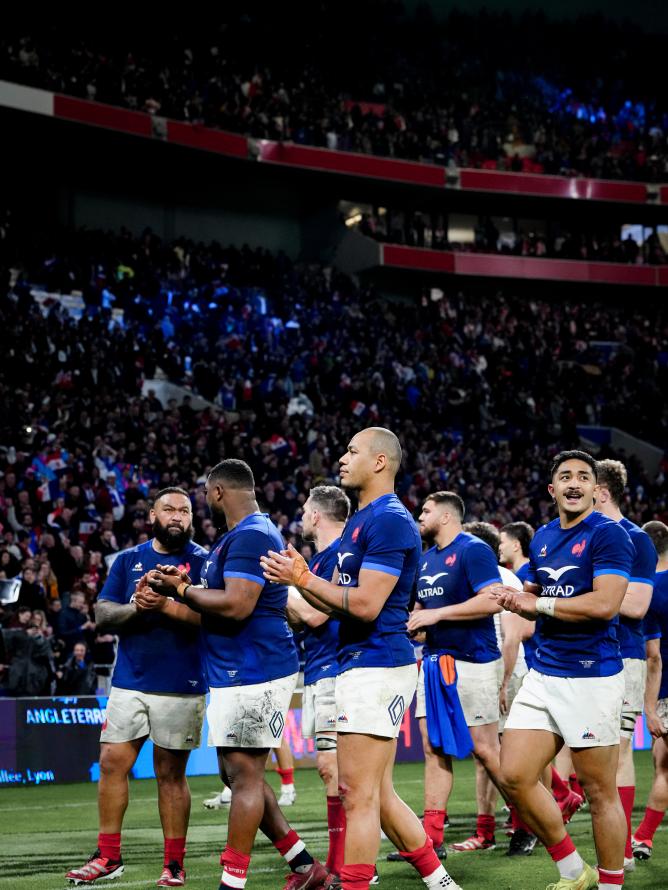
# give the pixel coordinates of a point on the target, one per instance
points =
(544, 657)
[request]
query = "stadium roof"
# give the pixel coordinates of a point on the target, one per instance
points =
(652, 14)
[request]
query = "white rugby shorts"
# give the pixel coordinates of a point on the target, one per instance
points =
(372, 701)
(171, 721)
(635, 676)
(319, 707)
(584, 711)
(478, 688)
(250, 716)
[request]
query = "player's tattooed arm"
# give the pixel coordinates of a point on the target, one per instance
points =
(345, 599)
(111, 616)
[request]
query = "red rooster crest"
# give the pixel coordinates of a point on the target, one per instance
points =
(578, 549)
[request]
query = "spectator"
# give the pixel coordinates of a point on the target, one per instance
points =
(77, 676)
(482, 389)
(75, 625)
(446, 92)
(30, 668)
(32, 593)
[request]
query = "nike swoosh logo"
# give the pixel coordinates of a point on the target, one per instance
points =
(555, 574)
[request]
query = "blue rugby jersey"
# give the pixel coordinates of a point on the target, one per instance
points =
(453, 575)
(564, 562)
(155, 653)
(631, 637)
(656, 624)
(382, 537)
(321, 643)
(261, 647)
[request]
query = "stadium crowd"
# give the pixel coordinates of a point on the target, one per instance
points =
(423, 229)
(482, 391)
(448, 92)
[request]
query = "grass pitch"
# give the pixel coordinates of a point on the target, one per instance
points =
(45, 830)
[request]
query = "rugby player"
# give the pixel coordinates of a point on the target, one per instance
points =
(612, 479)
(580, 565)
(152, 696)
(325, 513)
(284, 768)
(656, 694)
(454, 607)
(514, 541)
(511, 631)
(377, 564)
(252, 667)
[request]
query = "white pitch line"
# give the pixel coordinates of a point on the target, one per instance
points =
(194, 879)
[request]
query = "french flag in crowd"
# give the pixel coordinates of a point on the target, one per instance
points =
(278, 444)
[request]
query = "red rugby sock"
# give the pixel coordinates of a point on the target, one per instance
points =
(336, 827)
(175, 850)
(109, 845)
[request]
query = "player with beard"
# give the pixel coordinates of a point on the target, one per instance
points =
(157, 690)
(579, 569)
(252, 668)
(458, 573)
(377, 564)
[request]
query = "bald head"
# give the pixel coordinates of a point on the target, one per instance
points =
(374, 453)
(384, 442)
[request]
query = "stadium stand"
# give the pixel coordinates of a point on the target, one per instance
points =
(291, 359)
(447, 92)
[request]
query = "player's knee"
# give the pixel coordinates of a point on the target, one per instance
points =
(600, 794)
(326, 770)
(628, 725)
(169, 773)
(326, 773)
(511, 779)
(360, 798)
(326, 758)
(114, 762)
(488, 755)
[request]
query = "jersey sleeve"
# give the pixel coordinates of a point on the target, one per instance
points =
(612, 552)
(116, 586)
(387, 545)
(197, 560)
(481, 566)
(243, 556)
(644, 560)
(651, 626)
